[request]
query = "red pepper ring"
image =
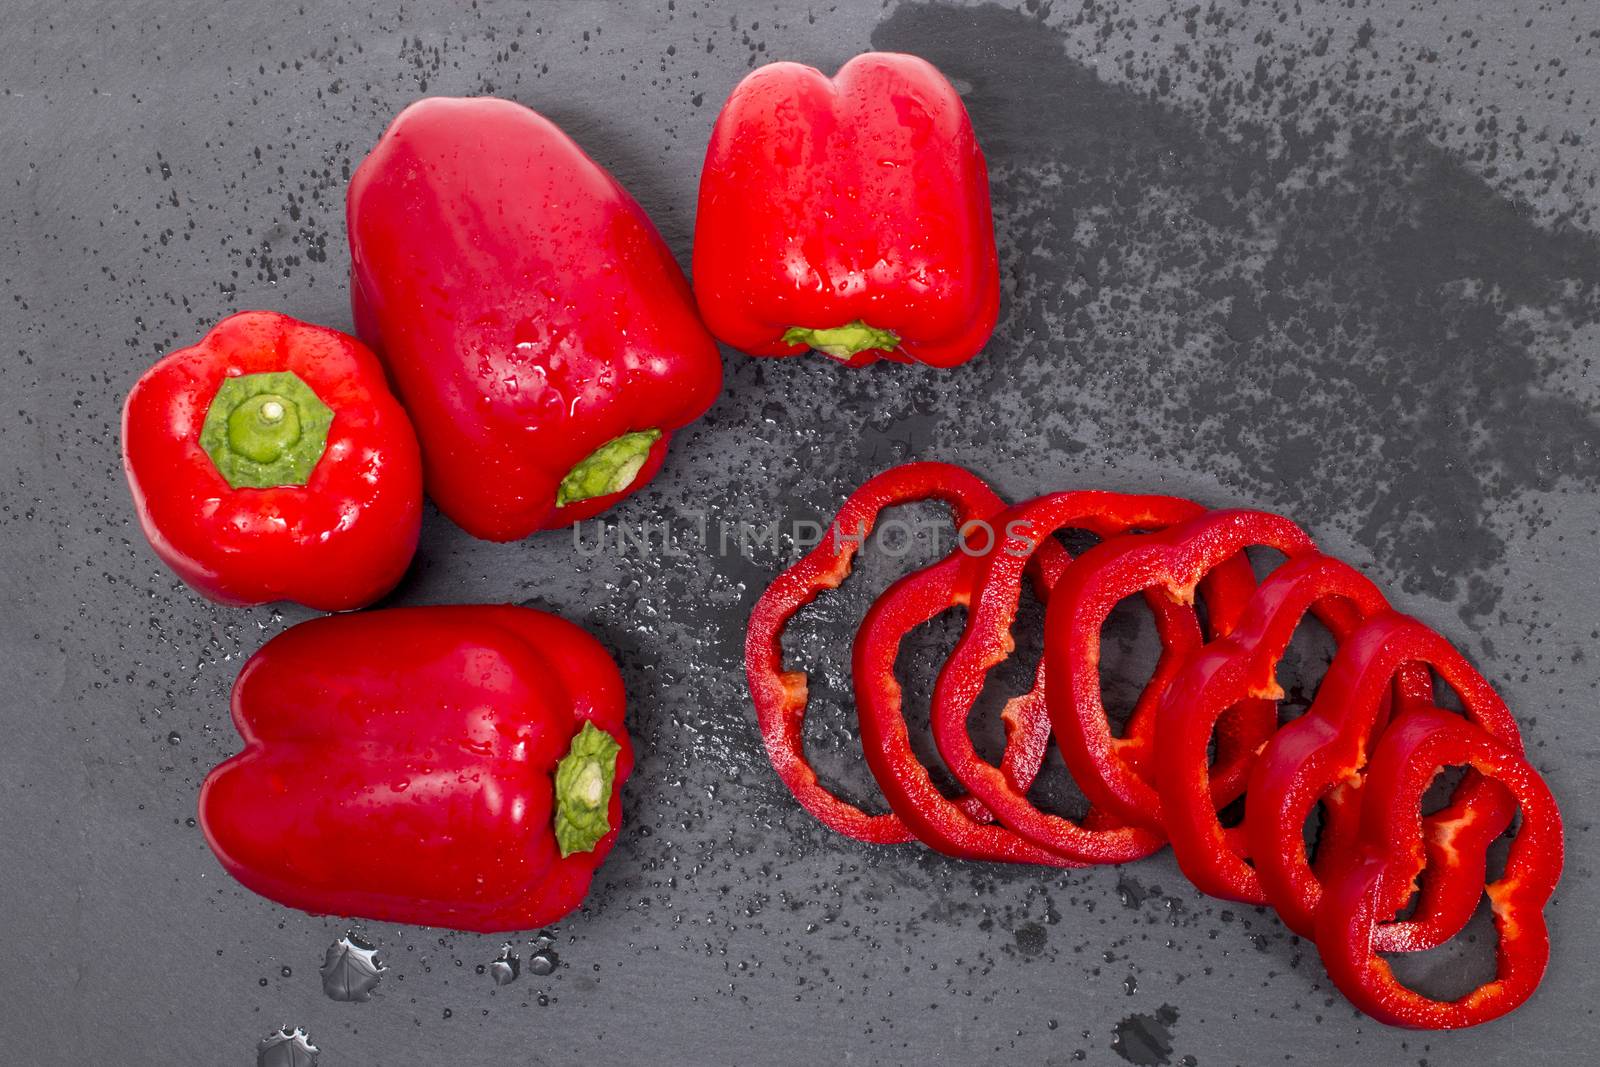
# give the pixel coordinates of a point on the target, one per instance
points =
(780, 696)
(1409, 755)
(1328, 747)
(993, 581)
(1454, 858)
(1240, 665)
(911, 792)
(1175, 561)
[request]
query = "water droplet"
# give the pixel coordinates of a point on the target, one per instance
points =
(543, 964)
(1131, 893)
(1030, 938)
(1130, 985)
(286, 1048)
(1146, 1040)
(173, 738)
(351, 970)
(506, 966)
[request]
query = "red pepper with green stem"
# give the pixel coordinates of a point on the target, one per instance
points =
(536, 325)
(444, 766)
(850, 215)
(1395, 844)
(270, 462)
(1328, 747)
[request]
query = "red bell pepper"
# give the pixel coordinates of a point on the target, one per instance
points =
(534, 322)
(1328, 747)
(444, 766)
(991, 584)
(849, 215)
(780, 696)
(1113, 771)
(1395, 845)
(270, 462)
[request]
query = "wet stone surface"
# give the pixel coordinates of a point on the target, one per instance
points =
(1334, 260)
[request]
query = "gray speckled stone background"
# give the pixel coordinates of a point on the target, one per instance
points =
(1334, 259)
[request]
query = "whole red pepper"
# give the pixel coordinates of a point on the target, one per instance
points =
(536, 325)
(270, 462)
(1395, 844)
(850, 215)
(444, 766)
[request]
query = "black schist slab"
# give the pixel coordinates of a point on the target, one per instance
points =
(1334, 261)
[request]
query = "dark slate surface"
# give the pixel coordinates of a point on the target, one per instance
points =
(1330, 259)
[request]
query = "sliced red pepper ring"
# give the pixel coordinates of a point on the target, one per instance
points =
(910, 790)
(780, 696)
(1451, 868)
(1206, 552)
(993, 584)
(1412, 751)
(1328, 747)
(1243, 664)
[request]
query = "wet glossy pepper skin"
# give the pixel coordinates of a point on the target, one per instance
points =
(339, 532)
(400, 765)
(528, 311)
(860, 201)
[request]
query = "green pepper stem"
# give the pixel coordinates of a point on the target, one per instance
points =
(610, 468)
(264, 430)
(584, 780)
(843, 342)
